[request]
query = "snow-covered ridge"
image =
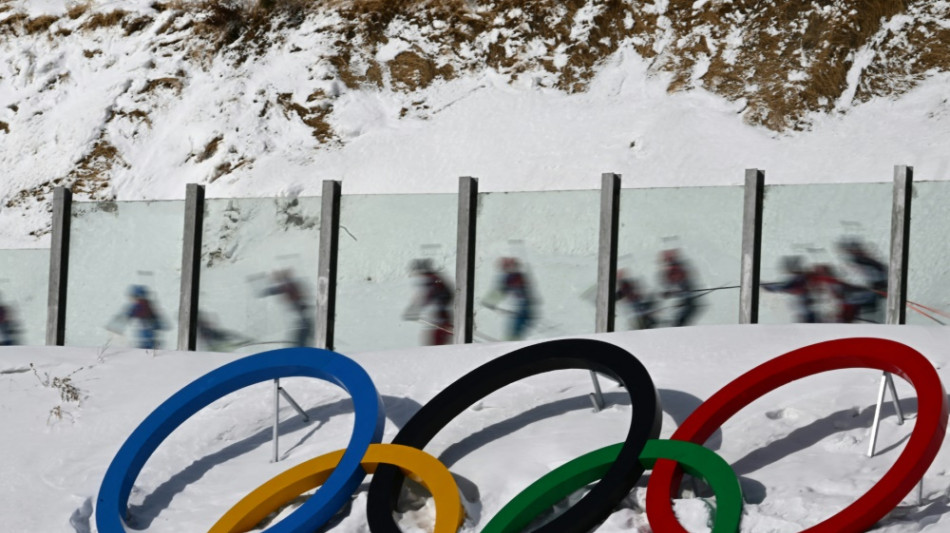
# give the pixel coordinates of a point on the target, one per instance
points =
(132, 100)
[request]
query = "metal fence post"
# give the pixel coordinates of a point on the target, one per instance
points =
(607, 253)
(900, 245)
(606, 267)
(326, 275)
(896, 283)
(58, 267)
(190, 267)
(464, 326)
(751, 246)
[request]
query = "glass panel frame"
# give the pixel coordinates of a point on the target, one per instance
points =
(928, 276)
(379, 297)
(704, 227)
(812, 224)
(24, 292)
(553, 236)
(115, 246)
(248, 244)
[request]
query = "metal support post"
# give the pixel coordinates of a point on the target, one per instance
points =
(606, 266)
(751, 246)
(58, 267)
(286, 395)
(465, 260)
(326, 276)
(276, 415)
(896, 281)
(278, 392)
(190, 267)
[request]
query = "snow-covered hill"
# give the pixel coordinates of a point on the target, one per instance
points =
(134, 99)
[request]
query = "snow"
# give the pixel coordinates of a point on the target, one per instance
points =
(799, 451)
(513, 136)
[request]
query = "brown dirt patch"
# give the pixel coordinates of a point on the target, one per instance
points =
(4, 127)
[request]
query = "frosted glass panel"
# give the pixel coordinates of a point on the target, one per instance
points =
(928, 279)
(24, 281)
(808, 227)
(115, 246)
(702, 226)
(247, 246)
(552, 239)
(382, 302)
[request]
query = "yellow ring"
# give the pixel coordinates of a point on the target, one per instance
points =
(281, 489)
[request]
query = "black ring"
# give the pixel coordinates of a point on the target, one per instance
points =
(605, 496)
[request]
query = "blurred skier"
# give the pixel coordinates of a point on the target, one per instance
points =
(284, 284)
(798, 284)
(433, 292)
(641, 306)
(676, 279)
(867, 300)
(9, 330)
(513, 283)
(217, 339)
(142, 311)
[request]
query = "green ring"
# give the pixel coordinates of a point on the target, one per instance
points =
(588, 468)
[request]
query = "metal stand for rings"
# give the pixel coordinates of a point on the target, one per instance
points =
(278, 392)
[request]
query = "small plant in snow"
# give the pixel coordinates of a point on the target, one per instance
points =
(67, 391)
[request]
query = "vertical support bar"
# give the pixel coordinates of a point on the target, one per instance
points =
(607, 252)
(896, 281)
(877, 415)
(464, 325)
(190, 267)
(326, 276)
(606, 266)
(276, 417)
(751, 246)
(900, 245)
(58, 267)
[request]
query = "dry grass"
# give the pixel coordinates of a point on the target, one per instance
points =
(137, 24)
(104, 20)
(210, 149)
(39, 24)
(314, 117)
(77, 10)
(170, 83)
(12, 23)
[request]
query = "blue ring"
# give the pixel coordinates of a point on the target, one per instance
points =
(308, 362)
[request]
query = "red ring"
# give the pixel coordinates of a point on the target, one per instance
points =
(881, 354)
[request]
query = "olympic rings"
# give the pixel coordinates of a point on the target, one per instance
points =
(286, 486)
(310, 362)
(617, 467)
(599, 356)
(889, 356)
(578, 473)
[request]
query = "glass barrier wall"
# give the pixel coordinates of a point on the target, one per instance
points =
(536, 264)
(928, 286)
(259, 260)
(124, 274)
(24, 282)
(679, 256)
(825, 252)
(396, 271)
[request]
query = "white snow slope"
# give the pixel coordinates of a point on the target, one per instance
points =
(64, 95)
(799, 451)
